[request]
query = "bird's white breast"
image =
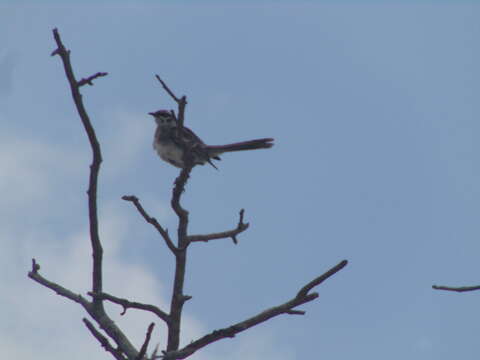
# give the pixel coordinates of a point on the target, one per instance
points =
(169, 153)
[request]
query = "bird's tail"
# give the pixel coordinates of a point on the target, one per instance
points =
(265, 143)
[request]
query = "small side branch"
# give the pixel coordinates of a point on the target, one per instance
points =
(152, 221)
(117, 354)
(457, 289)
(241, 227)
(60, 290)
(126, 304)
(302, 297)
(89, 80)
(144, 348)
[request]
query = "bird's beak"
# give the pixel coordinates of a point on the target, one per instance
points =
(151, 113)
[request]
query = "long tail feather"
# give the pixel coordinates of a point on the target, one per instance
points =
(265, 143)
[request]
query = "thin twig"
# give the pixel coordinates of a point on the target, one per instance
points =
(229, 332)
(89, 80)
(144, 347)
(167, 89)
(127, 304)
(457, 289)
(104, 341)
(152, 221)
(181, 102)
(317, 281)
(241, 227)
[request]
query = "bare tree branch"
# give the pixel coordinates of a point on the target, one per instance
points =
(302, 297)
(241, 227)
(152, 221)
(104, 341)
(126, 304)
(144, 347)
(457, 289)
(94, 167)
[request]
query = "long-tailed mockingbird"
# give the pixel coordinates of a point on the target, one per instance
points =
(171, 149)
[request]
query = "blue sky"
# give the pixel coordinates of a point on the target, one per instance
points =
(373, 107)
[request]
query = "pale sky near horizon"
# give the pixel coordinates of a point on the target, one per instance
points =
(374, 110)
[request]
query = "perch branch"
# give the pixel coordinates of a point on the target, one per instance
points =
(126, 304)
(241, 227)
(457, 289)
(178, 298)
(103, 341)
(302, 297)
(144, 347)
(151, 220)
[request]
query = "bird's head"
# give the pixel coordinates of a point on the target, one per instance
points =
(164, 118)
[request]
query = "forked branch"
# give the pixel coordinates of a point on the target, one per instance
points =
(241, 227)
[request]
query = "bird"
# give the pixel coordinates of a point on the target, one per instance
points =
(170, 144)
